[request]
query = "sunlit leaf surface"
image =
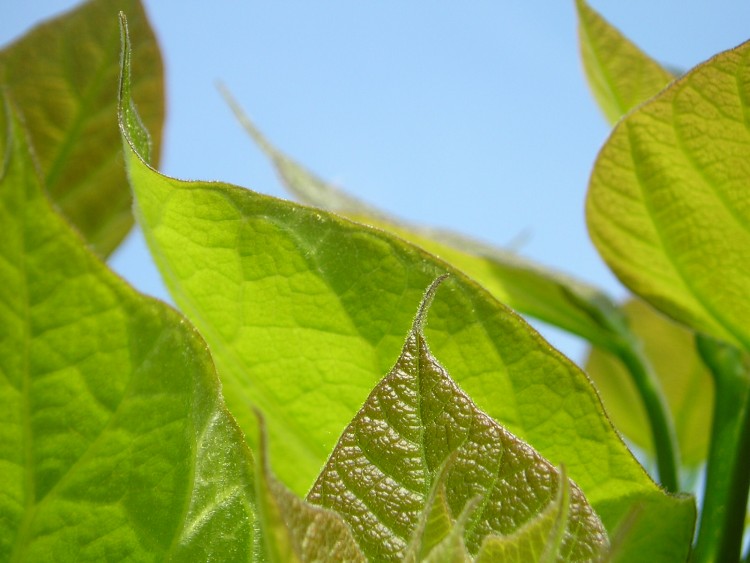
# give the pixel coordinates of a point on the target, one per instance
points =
(667, 204)
(304, 311)
(115, 443)
(417, 419)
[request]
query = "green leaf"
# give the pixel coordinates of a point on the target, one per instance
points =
(684, 379)
(303, 310)
(381, 471)
(549, 296)
(115, 443)
(620, 75)
(666, 206)
(63, 77)
(295, 530)
(541, 539)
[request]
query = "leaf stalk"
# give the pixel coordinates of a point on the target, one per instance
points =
(728, 470)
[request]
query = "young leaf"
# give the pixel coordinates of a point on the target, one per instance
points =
(380, 472)
(620, 75)
(666, 206)
(685, 380)
(303, 309)
(549, 296)
(540, 539)
(63, 77)
(114, 441)
(295, 530)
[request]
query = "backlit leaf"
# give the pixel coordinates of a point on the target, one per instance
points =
(304, 311)
(667, 204)
(384, 465)
(686, 383)
(620, 75)
(115, 443)
(63, 77)
(528, 288)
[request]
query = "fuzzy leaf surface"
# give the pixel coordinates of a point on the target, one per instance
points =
(63, 77)
(295, 530)
(620, 75)
(380, 474)
(115, 443)
(529, 288)
(303, 310)
(667, 205)
(686, 383)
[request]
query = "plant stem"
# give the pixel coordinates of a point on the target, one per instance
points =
(728, 471)
(660, 421)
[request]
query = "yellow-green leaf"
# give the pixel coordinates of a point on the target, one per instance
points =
(63, 77)
(115, 444)
(416, 426)
(667, 206)
(620, 75)
(685, 381)
(304, 311)
(529, 288)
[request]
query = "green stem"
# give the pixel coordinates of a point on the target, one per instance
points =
(728, 470)
(660, 421)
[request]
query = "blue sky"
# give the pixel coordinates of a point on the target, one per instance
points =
(473, 116)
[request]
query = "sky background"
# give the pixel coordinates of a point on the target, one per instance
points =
(474, 116)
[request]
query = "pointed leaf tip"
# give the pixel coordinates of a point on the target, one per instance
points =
(429, 296)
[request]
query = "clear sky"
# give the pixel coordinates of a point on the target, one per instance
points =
(469, 115)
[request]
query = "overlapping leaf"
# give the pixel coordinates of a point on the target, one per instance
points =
(685, 380)
(114, 441)
(667, 205)
(63, 77)
(620, 75)
(303, 310)
(417, 422)
(526, 287)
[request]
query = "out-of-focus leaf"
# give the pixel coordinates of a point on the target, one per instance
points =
(303, 311)
(529, 288)
(380, 472)
(667, 204)
(620, 75)
(684, 379)
(115, 443)
(62, 76)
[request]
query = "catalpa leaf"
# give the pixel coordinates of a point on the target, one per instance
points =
(686, 382)
(541, 539)
(667, 205)
(115, 443)
(620, 75)
(529, 288)
(63, 77)
(295, 530)
(382, 469)
(304, 311)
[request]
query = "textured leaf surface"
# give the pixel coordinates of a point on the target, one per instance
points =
(114, 441)
(303, 310)
(381, 472)
(667, 206)
(295, 530)
(63, 77)
(686, 383)
(526, 287)
(541, 539)
(620, 75)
